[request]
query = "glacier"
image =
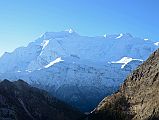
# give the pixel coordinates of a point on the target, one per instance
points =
(77, 69)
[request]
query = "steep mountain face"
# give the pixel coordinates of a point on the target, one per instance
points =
(138, 97)
(19, 101)
(76, 68)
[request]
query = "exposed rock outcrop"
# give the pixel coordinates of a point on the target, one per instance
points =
(137, 98)
(20, 101)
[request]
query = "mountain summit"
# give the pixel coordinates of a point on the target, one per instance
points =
(76, 68)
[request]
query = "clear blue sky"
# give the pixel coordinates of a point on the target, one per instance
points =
(22, 21)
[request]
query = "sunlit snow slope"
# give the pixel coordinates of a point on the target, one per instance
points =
(77, 69)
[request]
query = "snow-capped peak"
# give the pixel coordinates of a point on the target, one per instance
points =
(85, 62)
(54, 44)
(121, 35)
(69, 30)
(125, 61)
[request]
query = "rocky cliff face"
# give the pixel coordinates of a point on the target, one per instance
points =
(19, 101)
(137, 98)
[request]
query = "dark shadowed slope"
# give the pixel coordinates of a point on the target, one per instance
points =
(20, 101)
(138, 97)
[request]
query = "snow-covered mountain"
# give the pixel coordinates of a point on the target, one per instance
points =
(75, 68)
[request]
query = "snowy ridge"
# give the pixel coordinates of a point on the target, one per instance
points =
(121, 35)
(69, 30)
(76, 68)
